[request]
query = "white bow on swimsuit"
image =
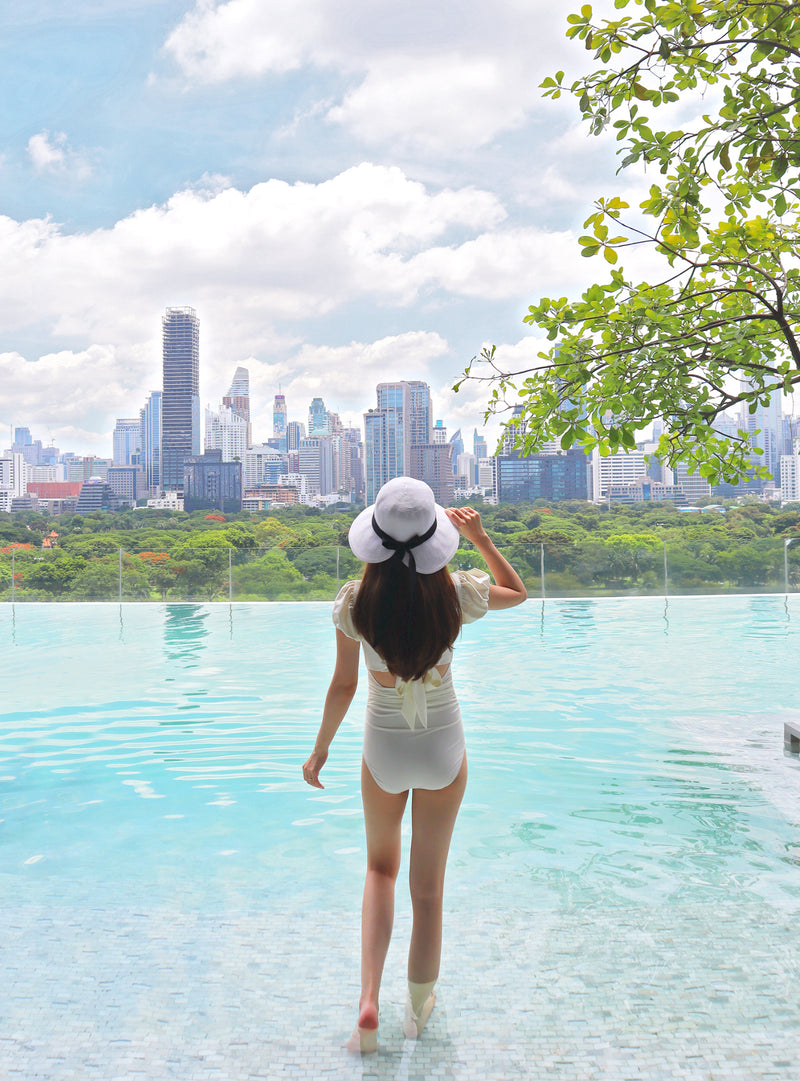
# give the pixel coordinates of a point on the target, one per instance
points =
(412, 691)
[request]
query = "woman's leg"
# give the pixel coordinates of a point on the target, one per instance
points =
(433, 816)
(383, 814)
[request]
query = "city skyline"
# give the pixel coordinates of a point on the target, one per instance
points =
(376, 192)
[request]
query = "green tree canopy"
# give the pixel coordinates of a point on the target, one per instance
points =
(720, 326)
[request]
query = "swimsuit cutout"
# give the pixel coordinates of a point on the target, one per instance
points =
(413, 736)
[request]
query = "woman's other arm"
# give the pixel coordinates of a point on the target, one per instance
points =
(337, 701)
(508, 589)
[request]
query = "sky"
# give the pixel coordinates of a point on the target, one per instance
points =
(346, 193)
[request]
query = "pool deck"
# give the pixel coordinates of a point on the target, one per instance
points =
(676, 991)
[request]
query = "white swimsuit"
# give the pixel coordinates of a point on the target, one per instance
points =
(413, 737)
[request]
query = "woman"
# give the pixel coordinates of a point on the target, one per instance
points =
(406, 613)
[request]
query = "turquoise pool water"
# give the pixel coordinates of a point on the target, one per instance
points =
(616, 752)
(627, 777)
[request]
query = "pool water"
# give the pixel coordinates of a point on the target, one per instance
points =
(624, 882)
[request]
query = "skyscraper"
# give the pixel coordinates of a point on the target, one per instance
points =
(319, 421)
(150, 422)
(402, 419)
(180, 403)
(226, 431)
(127, 439)
(295, 431)
(457, 443)
(386, 441)
(279, 419)
(767, 420)
(420, 418)
(238, 397)
(316, 462)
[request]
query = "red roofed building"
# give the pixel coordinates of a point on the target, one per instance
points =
(55, 489)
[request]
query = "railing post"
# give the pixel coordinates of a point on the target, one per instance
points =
(120, 575)
(13, 575)
(666, 578)
(230, 575)
(541, 570)
(337, 568)
(787, 541)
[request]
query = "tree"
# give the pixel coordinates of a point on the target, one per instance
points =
(720, 327)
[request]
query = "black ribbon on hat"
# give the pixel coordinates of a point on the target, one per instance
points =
(402, 549)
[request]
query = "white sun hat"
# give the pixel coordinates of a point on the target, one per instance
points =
(405, 520)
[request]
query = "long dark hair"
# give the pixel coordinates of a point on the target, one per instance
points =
(410, 645)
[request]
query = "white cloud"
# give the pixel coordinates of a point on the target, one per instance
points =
(246, 38)
(260, 267)
(451, 100)
(442, 77)
(74, 396)
(345, 376)
(53, 154)
(276, 253)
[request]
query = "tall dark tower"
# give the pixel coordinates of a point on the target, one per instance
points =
(180, 403)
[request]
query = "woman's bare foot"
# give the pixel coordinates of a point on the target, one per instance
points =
(365, 1035)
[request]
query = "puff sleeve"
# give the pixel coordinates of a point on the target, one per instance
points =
(473, 592)
(343, 610)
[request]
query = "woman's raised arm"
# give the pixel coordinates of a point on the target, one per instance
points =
(508, 590)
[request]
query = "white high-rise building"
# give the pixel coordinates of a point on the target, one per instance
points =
(226, 431)
(466, 466)
(13, 479)
(262, 465)
(790, 475)
(767, 420)
(487, 475)
(316, 461)
(238, 398)
(620, 468)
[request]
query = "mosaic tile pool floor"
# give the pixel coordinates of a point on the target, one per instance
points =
(578, 994)
(623, 889)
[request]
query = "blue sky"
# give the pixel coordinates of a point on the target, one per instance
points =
(346, 193)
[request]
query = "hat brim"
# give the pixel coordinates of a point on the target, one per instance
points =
(429, 557)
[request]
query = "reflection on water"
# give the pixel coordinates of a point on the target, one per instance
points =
(575, 623)
(185, 633)
(761, 618)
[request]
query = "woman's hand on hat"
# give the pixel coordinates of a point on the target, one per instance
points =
(468, 523)
(312, 767)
